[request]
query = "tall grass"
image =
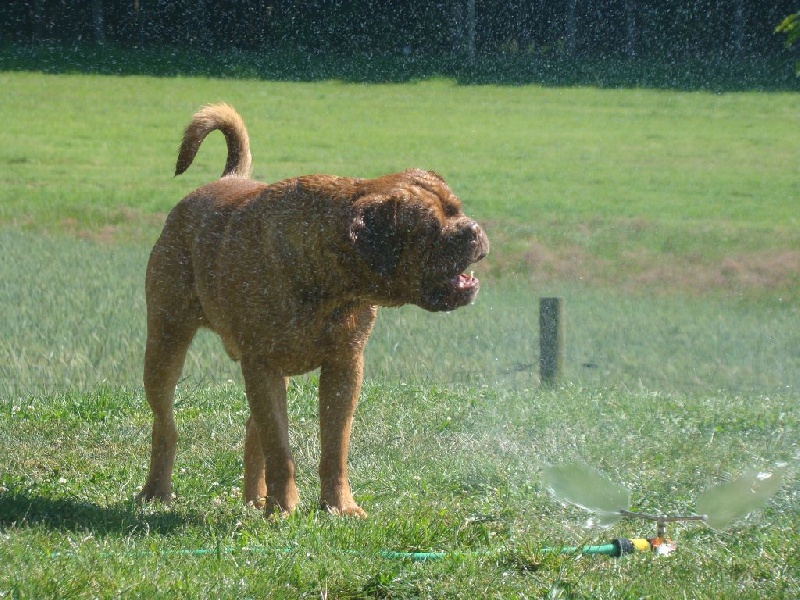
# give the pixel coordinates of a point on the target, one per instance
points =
(75, 318)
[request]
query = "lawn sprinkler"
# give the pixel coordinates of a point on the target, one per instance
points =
(589, 490)
(718, 506)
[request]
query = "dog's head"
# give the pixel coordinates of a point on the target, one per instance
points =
(410, 231)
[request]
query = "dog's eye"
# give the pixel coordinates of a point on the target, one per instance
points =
(451, 209)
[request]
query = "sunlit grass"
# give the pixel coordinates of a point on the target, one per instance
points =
(452, 469)
(624, 179)
(665, 220)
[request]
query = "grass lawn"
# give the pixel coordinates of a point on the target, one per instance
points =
(439, 468)
(666, 220)
(634, 187)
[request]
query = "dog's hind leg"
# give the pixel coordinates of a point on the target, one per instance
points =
(173, 316)
(268, 463)
(163, 363)
(255, 467)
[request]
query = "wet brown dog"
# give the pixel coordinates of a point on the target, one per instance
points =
(290, 276)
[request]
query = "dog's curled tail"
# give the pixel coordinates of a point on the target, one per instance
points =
(227, 120)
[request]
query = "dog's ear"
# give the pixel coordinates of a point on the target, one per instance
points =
(374, 235)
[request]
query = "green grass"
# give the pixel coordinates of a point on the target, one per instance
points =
(666, 220)
(76, 320)
(612, 186)
(440, 468)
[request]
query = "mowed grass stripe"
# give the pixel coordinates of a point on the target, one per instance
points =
(550, 157)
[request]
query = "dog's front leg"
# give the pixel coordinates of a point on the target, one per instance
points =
(268, 462)
(339, 386)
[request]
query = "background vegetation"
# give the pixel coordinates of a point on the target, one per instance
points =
(665, 30)
(666, 220)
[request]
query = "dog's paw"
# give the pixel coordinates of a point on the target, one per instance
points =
(151, 493)
(350, 509)
(258, 503)
(276, 508)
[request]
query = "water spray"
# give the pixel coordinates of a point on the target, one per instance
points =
(720, 505)
(588, 489)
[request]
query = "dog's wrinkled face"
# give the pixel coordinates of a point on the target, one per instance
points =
(445, 284)
(419, 243)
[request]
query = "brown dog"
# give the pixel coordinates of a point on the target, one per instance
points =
(290, 276)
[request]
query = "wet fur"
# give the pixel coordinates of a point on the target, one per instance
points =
(290, 276)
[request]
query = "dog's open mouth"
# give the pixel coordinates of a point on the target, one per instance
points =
(464, 281)
(451, 293)
(449, 284)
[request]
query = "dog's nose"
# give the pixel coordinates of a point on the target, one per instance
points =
(480, 240)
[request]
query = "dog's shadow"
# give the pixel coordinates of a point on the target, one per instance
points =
(19, 509)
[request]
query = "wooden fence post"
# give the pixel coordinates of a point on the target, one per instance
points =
(551, 339)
